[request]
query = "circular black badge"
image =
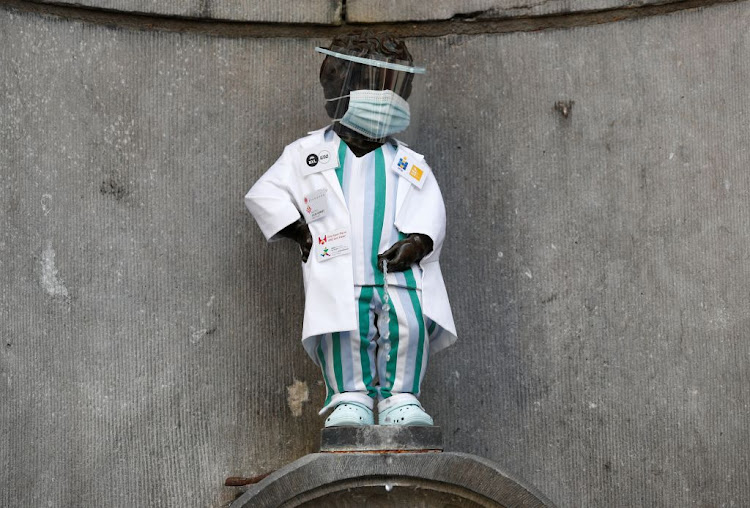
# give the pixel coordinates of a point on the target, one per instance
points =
(312, 160)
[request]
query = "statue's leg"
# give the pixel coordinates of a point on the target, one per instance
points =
(347, 359)
(403, 345)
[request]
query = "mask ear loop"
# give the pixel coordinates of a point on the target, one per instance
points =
(337, 99)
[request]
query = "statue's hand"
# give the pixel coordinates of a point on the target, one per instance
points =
(300, 233)
(402, 254)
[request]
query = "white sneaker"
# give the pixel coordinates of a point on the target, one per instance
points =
(348, 414)
(410, 413)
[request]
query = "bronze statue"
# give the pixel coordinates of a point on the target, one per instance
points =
(369, 218)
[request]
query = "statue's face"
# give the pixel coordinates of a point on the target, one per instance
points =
(339, 77)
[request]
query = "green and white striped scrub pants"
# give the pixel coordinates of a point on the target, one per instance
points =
(386, 356)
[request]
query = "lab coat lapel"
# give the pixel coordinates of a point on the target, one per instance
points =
(333, 181)
(332, 178)
(403, 188)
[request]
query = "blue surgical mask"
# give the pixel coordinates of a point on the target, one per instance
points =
(376, 113)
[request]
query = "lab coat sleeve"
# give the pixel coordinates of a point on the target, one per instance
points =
(423, 211)
(271, 199)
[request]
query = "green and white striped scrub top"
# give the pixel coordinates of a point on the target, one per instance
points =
(369, 187)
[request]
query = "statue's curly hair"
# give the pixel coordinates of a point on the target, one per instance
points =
(367, 43)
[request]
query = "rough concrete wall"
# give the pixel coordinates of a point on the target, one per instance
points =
(597, 264)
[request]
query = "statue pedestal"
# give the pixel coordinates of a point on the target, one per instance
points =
(381, 438)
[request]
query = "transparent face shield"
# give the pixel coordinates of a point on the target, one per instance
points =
(368, 95)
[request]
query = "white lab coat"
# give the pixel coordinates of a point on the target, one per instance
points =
(277, 200)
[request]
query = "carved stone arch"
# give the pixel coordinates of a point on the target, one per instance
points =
(391, 479)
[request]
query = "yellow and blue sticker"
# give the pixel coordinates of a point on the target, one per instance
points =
(407, 169)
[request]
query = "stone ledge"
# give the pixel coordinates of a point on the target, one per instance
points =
(325, 12)
(375, 11)
(381, 438)
(414, 479)
(330, 12)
